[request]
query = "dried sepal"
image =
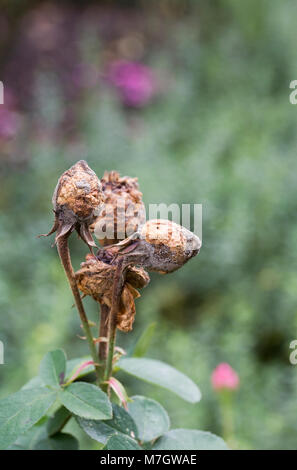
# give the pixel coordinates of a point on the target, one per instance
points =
(123, 211)
(76, 201)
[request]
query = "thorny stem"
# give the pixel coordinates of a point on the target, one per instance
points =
(64, 253)
(112, 325)
(102, 348)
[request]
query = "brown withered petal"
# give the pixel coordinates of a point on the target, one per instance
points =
(76, 201)
(95, 278)
(160, 245)
(126, 313)
(122, 198)
(137, 277)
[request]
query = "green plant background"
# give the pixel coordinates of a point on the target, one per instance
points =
(221, 133)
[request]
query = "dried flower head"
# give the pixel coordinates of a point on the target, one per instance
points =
(173, 245)
(76, 202)
(95, 278)
(160, 245)
(123, 211)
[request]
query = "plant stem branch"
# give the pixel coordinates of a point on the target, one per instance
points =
(64, 253)
(104, 315)
(112, 325)
(226, 414)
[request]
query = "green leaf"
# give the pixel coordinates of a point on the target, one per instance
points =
(71, 366)
(28, 440)
(57, 422)
(161, 374)
(121, 442)
(52, 368)
(144, 341)
(100, 431)
(61, 441)
(189, 439)
(35, 382)
(86, 400)
(20, 411)
(150, 417)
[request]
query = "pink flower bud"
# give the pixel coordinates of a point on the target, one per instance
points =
(224, 377)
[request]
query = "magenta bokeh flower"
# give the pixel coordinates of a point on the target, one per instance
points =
(224, 377)
(135, 82)
(9, 123)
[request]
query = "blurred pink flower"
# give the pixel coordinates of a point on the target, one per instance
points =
(134, 81)
(224, 377)
(9, 123)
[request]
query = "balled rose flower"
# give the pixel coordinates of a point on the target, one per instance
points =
(123, 211)
(172, 245)
(76, 201)
(159, 245)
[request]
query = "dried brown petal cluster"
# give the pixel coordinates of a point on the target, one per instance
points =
(76, 202)
(115, 207)
(160, 245)
(95, 278)
(123, 212)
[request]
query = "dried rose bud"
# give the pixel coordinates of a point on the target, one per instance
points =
(95, 278)
(123, 210)
(160, 245)
(173, 245)
(76, 202)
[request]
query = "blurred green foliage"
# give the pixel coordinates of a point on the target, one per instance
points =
(221, 133)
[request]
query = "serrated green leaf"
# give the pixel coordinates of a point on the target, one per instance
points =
(60, 441)
(86, 400)
(121, 442)
(100, 431)
(28, 440)
(57, 422)
(142, 345)
(20, 411)
(71, 366)
(150, 417)
(189, 439)
(52, 368)
(35, 382)
(161, 374)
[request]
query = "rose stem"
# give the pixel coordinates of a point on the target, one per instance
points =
(112, 325)
(102, 349)
(64, 253)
